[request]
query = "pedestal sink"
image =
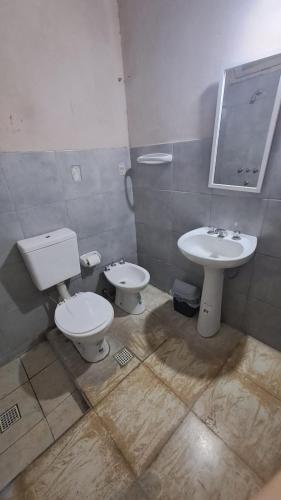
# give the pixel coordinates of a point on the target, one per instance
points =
(215, 253)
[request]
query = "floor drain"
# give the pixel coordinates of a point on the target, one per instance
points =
(123, 356)
(9, 417)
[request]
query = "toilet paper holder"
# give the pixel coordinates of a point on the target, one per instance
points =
(90, 259)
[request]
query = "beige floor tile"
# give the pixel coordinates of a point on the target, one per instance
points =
(141, 336)
(261, 364)
(195, 464)
(247, 418)
(187, 365)
(141, 414)
(134, 492)
(95, 380)
(38, 358)
(30, 412)
(66, 414)
(154, 298)
(12, 375)
(87, 466)
(23, 452)
(52, 385)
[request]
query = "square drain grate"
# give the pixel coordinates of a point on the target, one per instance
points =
(123, 356)
(9, 417)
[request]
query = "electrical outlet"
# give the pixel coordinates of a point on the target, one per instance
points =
(122, 168)
(76, 173)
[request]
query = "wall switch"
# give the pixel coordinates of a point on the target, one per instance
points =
(76, 173)
(122, 168)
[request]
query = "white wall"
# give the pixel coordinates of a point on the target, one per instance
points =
(174, 53)
(60, 61)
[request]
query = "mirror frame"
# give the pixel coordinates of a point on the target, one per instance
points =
(269, 138)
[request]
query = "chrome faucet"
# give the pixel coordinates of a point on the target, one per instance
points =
(221, 232)
(236, 235)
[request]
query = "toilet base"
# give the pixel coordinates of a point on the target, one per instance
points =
(93, 352)
(131, 303)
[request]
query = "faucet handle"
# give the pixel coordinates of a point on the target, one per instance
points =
(220, 232)
(236, 235)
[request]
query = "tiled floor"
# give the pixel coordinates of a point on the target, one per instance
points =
(48, 403)
(187, 418)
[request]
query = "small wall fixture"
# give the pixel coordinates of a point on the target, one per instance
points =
(155, 158)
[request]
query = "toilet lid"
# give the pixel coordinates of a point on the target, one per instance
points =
(82, 313)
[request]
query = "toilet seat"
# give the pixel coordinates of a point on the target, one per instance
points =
(83, 315)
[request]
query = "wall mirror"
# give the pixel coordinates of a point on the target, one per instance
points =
(247, 110)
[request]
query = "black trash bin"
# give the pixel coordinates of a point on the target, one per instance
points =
(186, 298)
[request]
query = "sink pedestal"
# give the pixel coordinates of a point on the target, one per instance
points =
(210, 309)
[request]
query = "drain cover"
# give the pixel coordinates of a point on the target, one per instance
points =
(123, 356)
(9, 417)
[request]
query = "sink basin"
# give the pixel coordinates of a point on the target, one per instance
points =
(215, 254)
(210, 250)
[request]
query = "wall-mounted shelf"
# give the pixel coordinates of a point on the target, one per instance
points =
(155, 158)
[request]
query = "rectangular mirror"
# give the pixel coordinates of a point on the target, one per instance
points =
(247, 110)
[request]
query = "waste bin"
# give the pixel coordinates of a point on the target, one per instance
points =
(186, 297)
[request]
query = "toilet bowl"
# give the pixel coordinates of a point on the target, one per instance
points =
(84, 319)
(128, 279)
(53, 258)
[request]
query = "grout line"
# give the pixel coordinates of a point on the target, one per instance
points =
(41, 369)
(18, 386)
(22, 435)
(229, 447)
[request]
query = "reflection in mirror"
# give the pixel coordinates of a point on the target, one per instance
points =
(247, 110)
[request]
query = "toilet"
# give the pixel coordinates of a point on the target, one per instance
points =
(128, 279)
(83, 318)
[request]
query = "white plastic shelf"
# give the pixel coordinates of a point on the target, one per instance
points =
(155, 158)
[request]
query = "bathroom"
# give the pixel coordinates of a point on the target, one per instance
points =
(161, 405)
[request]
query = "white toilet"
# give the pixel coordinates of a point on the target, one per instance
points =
(84, 318)
(128, 279)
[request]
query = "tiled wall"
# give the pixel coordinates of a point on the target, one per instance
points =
(172, 199)
(37, 195)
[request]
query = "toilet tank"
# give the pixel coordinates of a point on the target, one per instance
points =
(51, 258)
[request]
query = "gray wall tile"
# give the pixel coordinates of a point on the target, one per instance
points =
(21, 329)
(33, 178)
(272, 179)
(247, 212)
(153, 207)
(44, 218)
(192, 274)
(154, 241)
(263, 321)
(270, 241)
(266, 281)
(17, 288)
(160, 272)
(88, 215)
(191, 165)
(10, 232)
(37, 195)
(99, 171)
(190, 210)
(238, 280)
(233, 309)
(119, 208)
(6, 203)
(112, 244)
(157, 177)
(187, 204)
